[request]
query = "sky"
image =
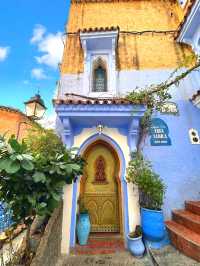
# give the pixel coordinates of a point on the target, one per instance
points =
(31, 46)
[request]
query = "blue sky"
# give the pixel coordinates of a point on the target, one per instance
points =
(30, 48)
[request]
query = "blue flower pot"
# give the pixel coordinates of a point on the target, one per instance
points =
(153, 226)
(136, 246)
(83, 228)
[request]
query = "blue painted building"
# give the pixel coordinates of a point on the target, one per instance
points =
(104, 59)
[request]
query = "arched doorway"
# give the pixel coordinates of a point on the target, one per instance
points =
(100, 187)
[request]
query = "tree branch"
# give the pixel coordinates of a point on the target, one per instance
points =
(163, 86)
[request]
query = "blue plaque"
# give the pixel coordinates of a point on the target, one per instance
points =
(159, 133)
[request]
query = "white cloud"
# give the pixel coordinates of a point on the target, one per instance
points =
(50, 45)
(4, 51)
(38, 73)
(48, 122)
(38, 33)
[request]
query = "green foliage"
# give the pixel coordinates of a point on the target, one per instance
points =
(33, 173)
(150, 185)
(82, 208)
(155, 95)
(44, 142)
(137, 233)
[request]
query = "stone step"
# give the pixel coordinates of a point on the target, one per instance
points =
(99, 246)
(105, 243)
(188, 219)
(107, 236)
(184, 239)
(193, 206)
(88, 251)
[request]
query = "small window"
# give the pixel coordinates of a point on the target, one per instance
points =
(99, 79)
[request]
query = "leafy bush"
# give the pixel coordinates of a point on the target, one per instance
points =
(32, 174)
(44, 143)
(151, 186)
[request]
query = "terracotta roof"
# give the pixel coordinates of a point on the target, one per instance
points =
(99, 29)
(13, 110)
(71, 98)
(197, 94)
(189, 9)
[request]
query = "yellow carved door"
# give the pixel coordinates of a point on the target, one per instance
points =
(99, 189)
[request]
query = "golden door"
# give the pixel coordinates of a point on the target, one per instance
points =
(99, 188)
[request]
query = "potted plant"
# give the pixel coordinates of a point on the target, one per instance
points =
(83, 225)
(135, 243)
(151, 195)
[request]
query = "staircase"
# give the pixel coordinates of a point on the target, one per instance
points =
(184, 229)
(100, 243)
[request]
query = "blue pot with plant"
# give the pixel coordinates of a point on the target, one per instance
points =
(151, 195)
(83, 225)
(135, 243)
(153, 224)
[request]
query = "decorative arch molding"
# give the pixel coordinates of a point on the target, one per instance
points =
(122, 180)
(99, 61)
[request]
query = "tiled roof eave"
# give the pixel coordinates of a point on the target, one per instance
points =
(75, 99)
(99, 29)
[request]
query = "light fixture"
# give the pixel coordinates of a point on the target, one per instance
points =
(35, 107)
(100, 129)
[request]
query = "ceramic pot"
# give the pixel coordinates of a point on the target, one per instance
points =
(153, 226)
(136, 246)
(83, 228)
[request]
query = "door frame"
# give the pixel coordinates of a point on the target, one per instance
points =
(117, 160)
(122, 180)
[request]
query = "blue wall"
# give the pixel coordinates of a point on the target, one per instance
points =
(179, 164)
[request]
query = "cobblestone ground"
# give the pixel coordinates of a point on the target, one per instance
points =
(118, 259)
(167, 256)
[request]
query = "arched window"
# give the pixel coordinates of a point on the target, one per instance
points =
(99, 78)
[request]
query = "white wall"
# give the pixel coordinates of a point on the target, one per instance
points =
(128, 80)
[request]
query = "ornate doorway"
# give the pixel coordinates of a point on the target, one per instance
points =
(100, 187)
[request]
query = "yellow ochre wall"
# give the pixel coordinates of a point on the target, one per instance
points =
(146, 51)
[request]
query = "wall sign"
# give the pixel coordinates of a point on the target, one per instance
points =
(169, 108)
(159, 133)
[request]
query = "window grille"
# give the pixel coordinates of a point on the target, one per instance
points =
(100, 80)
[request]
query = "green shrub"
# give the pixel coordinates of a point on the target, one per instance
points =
(151, 186)
(137, 233)
(33, 173)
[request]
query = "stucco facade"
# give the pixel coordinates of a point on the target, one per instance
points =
(10, 121)
(137, 43)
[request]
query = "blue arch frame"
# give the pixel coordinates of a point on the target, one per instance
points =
(117, 148)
